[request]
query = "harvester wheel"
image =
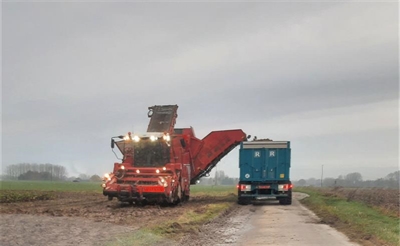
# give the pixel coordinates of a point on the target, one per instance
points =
(186, 198)
(178, 197)
(143, 203)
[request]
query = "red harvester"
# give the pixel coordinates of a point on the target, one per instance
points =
(160, 165)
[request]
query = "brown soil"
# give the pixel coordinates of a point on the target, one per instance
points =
(83, 218)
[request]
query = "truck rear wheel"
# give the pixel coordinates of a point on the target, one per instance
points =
(286, 200)
(244, 201)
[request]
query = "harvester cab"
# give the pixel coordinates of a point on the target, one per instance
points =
(160, 165)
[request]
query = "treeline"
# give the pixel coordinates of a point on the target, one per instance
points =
(33, 171)
(353, 180)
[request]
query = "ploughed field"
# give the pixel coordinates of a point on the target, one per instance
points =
(84, 201)
(96, 207)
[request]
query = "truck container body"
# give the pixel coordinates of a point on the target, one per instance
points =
(264, 171)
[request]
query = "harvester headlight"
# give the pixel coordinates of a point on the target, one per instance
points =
(137, 171)
(164, 168)
(103, 185)
(162, 182)
(126, 137)
(136, 138)
(167, 138)
(122, 167)
(107, 176)
(153, 138)
(157, 171)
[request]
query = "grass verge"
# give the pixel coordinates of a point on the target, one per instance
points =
(191, 221)
(362, 223)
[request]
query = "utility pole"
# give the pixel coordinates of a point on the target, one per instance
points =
(322, 174)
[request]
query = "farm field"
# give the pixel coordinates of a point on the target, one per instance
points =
(77, 201)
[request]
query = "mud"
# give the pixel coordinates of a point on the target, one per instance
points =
(79, 218)
(224, 230)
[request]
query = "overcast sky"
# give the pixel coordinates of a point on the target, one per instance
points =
(323, 75)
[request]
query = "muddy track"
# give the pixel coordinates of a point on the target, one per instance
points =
(97, 208)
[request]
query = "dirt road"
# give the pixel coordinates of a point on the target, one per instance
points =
(269, 223)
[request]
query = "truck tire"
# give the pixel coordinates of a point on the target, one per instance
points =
(244, 201)
(286, 200)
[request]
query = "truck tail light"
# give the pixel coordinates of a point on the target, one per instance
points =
(285, 187)
(245, 187)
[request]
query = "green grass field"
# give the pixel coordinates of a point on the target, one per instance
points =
(14, 191)
(197, 190)
(51, 186)
(203, 190)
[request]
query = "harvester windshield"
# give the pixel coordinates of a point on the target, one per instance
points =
(149, 153)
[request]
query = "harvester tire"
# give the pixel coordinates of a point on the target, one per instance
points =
(179, 195)
(186, 197)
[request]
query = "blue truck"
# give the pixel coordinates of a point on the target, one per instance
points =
(264, 172)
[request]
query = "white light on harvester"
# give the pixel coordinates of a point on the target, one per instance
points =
(153, 138)
(136, 138)
(126, 137)
(137, 171)
(164, 168)
(103, 185)
(157, 171)
(107, 176)
(167, 138)
(123, 167)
